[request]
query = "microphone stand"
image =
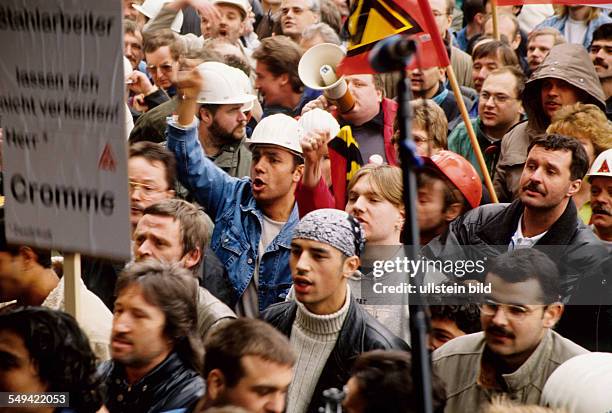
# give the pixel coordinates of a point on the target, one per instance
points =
(419, 323)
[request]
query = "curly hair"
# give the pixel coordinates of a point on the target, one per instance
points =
(583, 121)
(60, 351)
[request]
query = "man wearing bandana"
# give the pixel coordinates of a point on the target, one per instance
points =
(326, 327)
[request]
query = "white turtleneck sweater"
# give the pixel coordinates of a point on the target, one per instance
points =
(313, 338)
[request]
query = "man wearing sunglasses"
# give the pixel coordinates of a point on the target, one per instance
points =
(517, 350)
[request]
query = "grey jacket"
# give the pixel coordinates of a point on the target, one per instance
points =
(212, 313)
(568, 62)
(459, 363)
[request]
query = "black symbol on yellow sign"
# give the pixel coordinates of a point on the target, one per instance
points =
(373, 20)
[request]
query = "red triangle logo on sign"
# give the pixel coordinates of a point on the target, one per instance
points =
(107, 159)
(604, 167)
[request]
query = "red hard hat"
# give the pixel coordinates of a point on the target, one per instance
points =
(460, 172)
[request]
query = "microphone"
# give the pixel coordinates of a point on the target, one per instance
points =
(392, 53)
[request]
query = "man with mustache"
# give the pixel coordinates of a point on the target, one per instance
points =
(517, 350)
(565, 77)
(543, 215)
(156, 353)
(601, 54)
(326, 327)
(600, 178)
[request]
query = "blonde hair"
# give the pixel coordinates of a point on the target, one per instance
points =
(386, 181)
(563, 11)
(584, 121)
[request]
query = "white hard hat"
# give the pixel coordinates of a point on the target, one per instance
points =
(222, 85)
(247, 87)
(319, 119)
(602, 165)
(581, 384)
(280, 130)
(243, 5)
(127, 68)
(151, 8)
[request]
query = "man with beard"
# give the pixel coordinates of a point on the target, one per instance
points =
(517, 350)
(601, 55)
(222, 117)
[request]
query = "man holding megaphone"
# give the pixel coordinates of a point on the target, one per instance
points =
(356, 101)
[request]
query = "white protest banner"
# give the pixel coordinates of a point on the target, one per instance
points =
(63, 118)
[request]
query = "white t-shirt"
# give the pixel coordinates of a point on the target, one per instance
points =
(574, 31)
(519, 241)
(248, 305)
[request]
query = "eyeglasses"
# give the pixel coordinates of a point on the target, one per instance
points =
(497, 97)
(166, 67)
(147, 191)
(437, 14)
(513, 312)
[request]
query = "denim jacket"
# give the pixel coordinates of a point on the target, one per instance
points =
(238, 220)
(558, 23)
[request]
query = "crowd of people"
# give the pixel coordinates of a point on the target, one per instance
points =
(259, 210)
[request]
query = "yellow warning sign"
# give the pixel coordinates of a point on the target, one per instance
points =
(373, 20)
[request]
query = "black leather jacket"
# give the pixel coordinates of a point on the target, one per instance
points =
(569, 243)
(360, 333)
(170, 385)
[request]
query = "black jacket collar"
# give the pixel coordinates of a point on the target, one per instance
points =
(499, 230)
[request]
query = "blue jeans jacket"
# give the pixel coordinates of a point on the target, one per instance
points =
(238, 220)
(558, 23)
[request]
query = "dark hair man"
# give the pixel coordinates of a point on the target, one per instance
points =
(474, 13)
(601, 55)
(499, 109)
(488, 57)
(277, 79)
(156, 354)
(517, 350)
(381, 381)
(565, 77)
(248, 364)
(254, 216)
(447, 187)
(429, 84)
(176, 231)
(44, 350)
(326, 327)
(26, 276)
(451, 321)
(544, 213)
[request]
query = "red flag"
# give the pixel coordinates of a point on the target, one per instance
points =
(568, 2)
(374, 20)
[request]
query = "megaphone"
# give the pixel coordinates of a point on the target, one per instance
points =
(317, 70)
